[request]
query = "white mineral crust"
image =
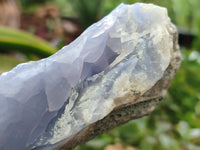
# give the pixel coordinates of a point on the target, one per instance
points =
(44, 103)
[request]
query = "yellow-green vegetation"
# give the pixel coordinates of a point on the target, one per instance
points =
(17, 40)
(8, 62)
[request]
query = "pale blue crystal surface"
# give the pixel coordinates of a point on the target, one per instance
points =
(43, 103)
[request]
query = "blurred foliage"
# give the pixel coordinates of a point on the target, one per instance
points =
(20, 41)
(8, 62)
(175, 124)
(11, 39)
(88, 11)
(27, 3)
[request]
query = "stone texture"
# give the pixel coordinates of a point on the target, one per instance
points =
(120, 65)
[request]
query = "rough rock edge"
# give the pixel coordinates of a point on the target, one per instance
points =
(142, 106)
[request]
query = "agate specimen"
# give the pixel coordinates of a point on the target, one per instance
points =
(116, 61)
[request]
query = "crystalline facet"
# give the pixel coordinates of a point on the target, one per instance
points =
(44, 103)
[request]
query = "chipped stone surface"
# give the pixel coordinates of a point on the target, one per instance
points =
(139, 106)
(114, 64)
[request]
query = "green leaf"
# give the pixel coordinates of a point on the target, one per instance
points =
(17, 40)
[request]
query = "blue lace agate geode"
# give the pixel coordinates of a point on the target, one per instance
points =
(44, 103)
